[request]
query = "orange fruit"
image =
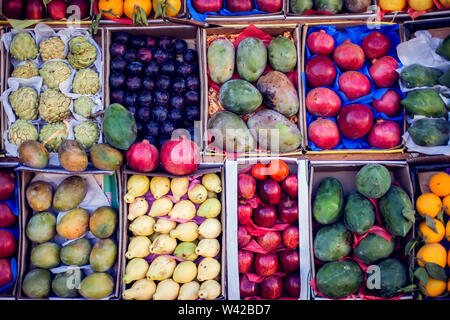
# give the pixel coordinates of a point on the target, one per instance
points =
(440, 184)
(446, 204)
(434, 287)
(445, 3)
(115, 6)
(447, 231)
(428, 234)
(421, 5)
(428, 204)
(448, 259)
(432, 252)
(448, 286)
(129, 5)
(392, 5)
(176, 4)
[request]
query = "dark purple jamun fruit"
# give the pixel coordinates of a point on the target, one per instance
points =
(194, 69)
(165, 42)
(192, 98)
(190, 55)
(139, 126)
(118, 65)
(138, 41)
(135, 68)
(192, 113)
(163, 82)
(179, 85)
(188, 123)
(148, 83)
(152, 140)
(160, 55)
(130, 99)
(184, 69)
(177, 102)
(116, 80)
(132, 110)
(152, 128)
(161, 98)
(144, 55)
(176, 115)
(168, 68)
(167, 128)
(152, 69)
(130, 55)
(145, 98)
(159, 114)
(193, 83)
(117, 96)
(163, 140)
(133, 83)
(179, 46)
(117, 50)
(150, 42)
(121, 37)
(144, 114)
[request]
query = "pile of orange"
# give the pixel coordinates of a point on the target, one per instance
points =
(113, 9)
(432, 204)
(416, 5)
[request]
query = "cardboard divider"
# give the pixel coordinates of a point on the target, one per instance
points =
(232, 169)
(346, 174)
(10, 166)
(274, 31)
(188, 33)
(340, 25)
(344, 15)
(439, 28)
(26, 245)
(219, 170)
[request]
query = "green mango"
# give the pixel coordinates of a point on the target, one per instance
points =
(119, 127)
(230, 133)
(69, 193)
(76, 253)
(251, 58)
(339, 279)
(444, 49)
(221, 60)
(300, 6)
(415, 76)
(373, 180)
(41, 227)
(445, 79)
(36, 284)
(33, 154)
(265, 123)
(329, 201)
(96, 286)
(393, 277)
(103, 222)
(64, 286)
(359, 213)
(397, 211)
(239, 96)
(105, 157)
(46, 255)
(332, 242)
(333, 6)
(103, 255)
(430, 132)
(279, 93)
(373, 248)
(282, 54)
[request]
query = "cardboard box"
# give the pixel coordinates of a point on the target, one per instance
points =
(345, 15)
(223, 219)
(188, 33)
(8, 68)
(278, 15)
(112, 192)
(232, 170)
(438, 28)
(339, 25)
(346, 174)
(9, 167)
(274, 31)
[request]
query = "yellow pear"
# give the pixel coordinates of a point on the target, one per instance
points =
(208, 269)
(166, 290)
(210, 228)
(138, 208)
(140, 290)
(164, 225)
(211, 208)
(161, 268)
(179, 187)
(187, 231)
(159, 186)
(142, 226)
(163, 244)
(208, 248)
(189, 291)
(183, 210)
(212, 182)
(198, 193)
(137, 186)
(139, 247)
(161, 207)
(185, 272)
(210, 290)
(135, 270)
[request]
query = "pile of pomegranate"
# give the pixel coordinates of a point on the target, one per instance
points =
(337, 90)
(268, 233)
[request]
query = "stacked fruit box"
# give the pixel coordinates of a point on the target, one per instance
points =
(70, 235)
(174, 236)
(329, 9)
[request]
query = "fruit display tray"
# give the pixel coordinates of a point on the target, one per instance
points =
(112, 186)
(346, 174)
(202, 170)
(234, 31)
(340, 26)
(232, 170)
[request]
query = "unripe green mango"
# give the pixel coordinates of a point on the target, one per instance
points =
(282, 54)
(46, 255)
(64, 286)
(221, 60)
(239, 96)
(70, 193)
(76, 253)
(36, 284)
(251, 58)
(103, 255)
(96, 286)
(41, 227)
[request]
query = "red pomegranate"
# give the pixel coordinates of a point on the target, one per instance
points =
(355, 120)
(385, 134)
(323, 102)
(320, 43)
(8, 244)
(383, 72)
(6, 185)
(6, 275)
(180, 156)
(389, 104)
(7, 218)
(320, 71)
(324, 133)
(349, 56)
(375, 45)
(354, 85)
(143, 157)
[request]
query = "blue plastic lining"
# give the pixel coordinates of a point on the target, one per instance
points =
(223, 12)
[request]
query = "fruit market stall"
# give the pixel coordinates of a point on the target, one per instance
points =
(174, 236)
(10, 233)
(70, 235)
